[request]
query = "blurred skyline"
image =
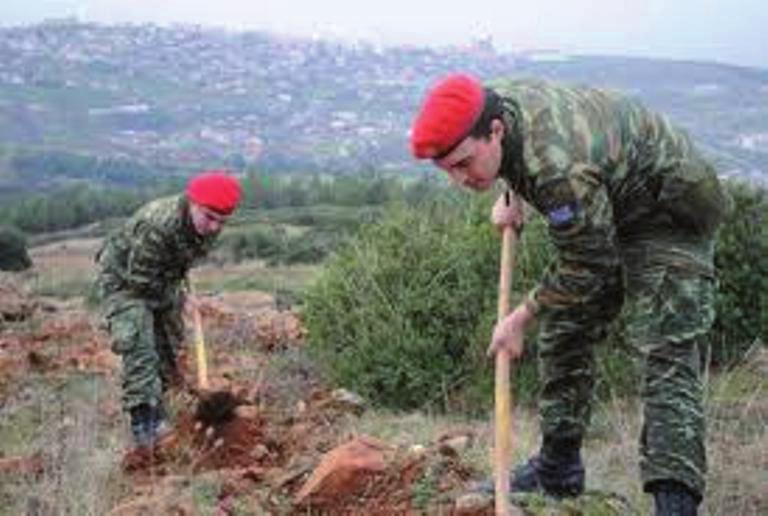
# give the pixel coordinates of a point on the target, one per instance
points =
(703, 30)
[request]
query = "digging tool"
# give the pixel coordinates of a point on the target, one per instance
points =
(202, 359)
(214, 407)
(502, 394)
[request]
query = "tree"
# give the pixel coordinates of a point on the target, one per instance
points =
(13, 250)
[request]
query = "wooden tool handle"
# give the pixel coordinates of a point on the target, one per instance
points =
(503, 395)
(202, 360)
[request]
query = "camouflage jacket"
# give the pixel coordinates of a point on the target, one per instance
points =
(604, 171)
(149, 256)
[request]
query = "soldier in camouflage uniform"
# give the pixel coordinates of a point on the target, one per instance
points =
(632, 209)
(141, 282)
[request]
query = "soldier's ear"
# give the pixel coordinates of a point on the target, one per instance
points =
(497, 128)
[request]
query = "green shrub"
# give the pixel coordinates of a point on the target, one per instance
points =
(393, 313)
(403, 312)
(13, 250)
(741, 260)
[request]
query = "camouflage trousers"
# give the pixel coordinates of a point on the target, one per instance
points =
(147, 339)
(666, 289)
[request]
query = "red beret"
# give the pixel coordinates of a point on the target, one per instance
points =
(449, 111)
(215, 189)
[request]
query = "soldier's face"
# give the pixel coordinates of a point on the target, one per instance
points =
(475, 162)
(205, 220)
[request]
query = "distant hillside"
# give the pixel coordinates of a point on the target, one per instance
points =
(185, 97)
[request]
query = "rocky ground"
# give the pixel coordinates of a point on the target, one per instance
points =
(292, 445)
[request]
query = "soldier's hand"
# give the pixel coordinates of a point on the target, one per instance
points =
(508, 215)
(508, 333)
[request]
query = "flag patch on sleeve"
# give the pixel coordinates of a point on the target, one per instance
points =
(562, 215)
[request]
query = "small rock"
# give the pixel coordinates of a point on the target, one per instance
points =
(417, 449)
(349, 399)
(247, 412)
(472, 503)
(176, 482)
(259, 451)
(291, 474)
(454, 446)
(253, 473)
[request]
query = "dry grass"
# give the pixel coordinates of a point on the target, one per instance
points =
(59, 420)
(63, 269)
(738, 443)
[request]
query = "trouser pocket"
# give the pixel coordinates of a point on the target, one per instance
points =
(128, 326)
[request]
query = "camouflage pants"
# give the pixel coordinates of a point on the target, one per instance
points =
(147, 340)
(669, 304)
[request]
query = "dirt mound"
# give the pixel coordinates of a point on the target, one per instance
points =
(238, 443)
(370, 477)
(250, 438)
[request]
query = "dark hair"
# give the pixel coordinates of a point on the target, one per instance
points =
(493, 108)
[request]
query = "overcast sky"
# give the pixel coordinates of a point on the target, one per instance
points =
(716, 30)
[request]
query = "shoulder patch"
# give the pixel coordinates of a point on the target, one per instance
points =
(562, 215)
(557, 201)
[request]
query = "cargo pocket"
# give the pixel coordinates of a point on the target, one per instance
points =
(670, 306)
(125, 327)
(693, 196)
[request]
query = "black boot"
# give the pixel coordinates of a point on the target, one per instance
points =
(557, 471)
(560, 475)
(148, 424)
(674, 499)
